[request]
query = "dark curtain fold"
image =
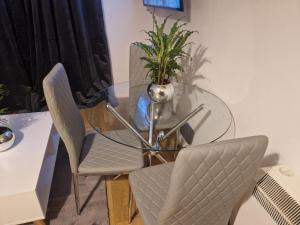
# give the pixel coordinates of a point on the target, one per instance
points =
(36, 34)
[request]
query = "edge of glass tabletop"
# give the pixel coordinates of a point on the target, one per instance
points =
(121, 136)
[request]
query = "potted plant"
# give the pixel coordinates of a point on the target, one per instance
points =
(6, 135)
(162, 54)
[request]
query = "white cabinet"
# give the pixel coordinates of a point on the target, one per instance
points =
(26, 169)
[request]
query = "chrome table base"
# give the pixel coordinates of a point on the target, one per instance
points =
(161, 136)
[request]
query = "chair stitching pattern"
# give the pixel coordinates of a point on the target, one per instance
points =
(214, 206)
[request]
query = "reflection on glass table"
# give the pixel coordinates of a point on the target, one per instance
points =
(211, 119)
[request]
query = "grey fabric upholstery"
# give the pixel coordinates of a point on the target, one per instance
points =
(91, 154)
(150, 187)
(102, 156)
(64, 112)
(137, 75)
(205, 184)
(137, 72)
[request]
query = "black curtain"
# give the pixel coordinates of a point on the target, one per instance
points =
(36, 34)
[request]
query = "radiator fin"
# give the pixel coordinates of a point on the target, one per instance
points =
(271, 210)
(277, 202)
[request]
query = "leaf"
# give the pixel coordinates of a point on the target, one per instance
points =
(147, 49)
(3, 92)
(162, 27)
(164, 49)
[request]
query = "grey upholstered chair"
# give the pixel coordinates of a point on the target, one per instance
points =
(137, 72)
(137, 75)
(89, 154)
(202, 186)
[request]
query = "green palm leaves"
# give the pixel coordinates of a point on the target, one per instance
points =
(164, 50)
(3, 93)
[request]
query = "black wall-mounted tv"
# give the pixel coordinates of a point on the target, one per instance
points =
(169, 4)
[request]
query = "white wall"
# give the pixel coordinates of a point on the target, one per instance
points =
(125, 20)
(254, 52)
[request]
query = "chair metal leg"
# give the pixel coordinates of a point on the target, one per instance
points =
(130, 205)
(160, 158)
(76, 192)
(117, 176)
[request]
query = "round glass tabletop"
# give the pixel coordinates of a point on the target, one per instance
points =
(125, 117)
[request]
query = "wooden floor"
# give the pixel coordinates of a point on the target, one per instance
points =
(117, 190)
(117, 199)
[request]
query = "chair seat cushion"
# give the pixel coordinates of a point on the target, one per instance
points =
(150, 186)
(100, 155)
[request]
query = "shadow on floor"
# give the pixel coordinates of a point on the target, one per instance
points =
(61, 206)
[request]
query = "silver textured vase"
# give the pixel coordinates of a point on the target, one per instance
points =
(7, 138)
(160, 93)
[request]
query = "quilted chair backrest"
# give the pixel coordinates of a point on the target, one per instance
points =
(137, 75)
(64, 112)
(137, 72)
(209, 180)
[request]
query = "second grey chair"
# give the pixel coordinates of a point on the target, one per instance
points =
(202, 186)
(91, 153)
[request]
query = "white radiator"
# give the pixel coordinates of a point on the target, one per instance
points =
(275, 200)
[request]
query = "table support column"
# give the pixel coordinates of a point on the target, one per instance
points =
(151, 123)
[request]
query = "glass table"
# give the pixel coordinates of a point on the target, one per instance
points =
(130, 101)
(209, 118)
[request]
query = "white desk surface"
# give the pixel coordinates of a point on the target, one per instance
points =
(21, 164)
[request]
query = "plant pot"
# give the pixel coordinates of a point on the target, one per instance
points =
(160, 93)
(7, 138)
